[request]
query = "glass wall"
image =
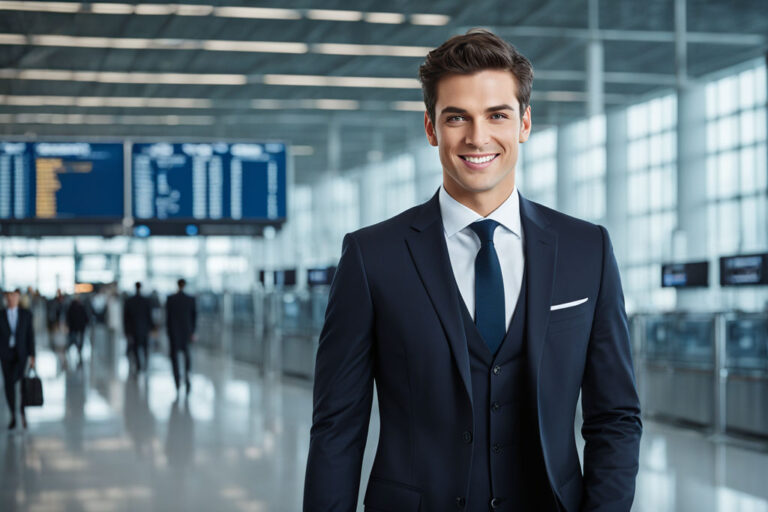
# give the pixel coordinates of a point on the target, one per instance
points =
(651, 198)
(537, 167)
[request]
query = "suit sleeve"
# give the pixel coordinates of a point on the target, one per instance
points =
(610, 406)
(343, 390)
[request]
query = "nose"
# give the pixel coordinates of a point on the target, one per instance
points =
(477, 135)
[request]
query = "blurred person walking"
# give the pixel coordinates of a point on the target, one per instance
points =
(17, 347)
(180, 320)
(77, 321)
(137, 323)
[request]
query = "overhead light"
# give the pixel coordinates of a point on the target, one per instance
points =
(193, 10)
(255, 46)
(262, 13)
(332, 104)
(430, 19)
(155, 9)
(371, 50)
(267, 104)
(409, 106)
(302, 150)
(41, 6)
(13, 39)
(384, 17)
(47, 118)
(334, 15)
(132, 77)
(104, 8)
(340, 81)
(104, 101)
(265, 13)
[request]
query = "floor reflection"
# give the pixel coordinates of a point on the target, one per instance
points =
(107, 441)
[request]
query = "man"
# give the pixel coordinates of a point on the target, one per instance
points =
(181, 316)
(77, 321)
(481, 316)
(17, 347)
(137, 322)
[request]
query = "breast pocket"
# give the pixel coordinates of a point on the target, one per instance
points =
(569, 318)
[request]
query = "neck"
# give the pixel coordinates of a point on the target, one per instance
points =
(483, 203)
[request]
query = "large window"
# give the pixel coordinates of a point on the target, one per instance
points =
(736, 161)
(651, 197)
(537, 168)
(588, 139)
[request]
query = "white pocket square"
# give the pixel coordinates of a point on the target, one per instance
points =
(569, 304)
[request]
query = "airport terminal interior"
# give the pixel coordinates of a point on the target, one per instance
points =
(233, 144)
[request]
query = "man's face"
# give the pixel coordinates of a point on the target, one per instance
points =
(478, 128)
(12, 299)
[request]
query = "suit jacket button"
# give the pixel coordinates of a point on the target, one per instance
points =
(495, 503)
(460, 502)
(495, 406)
(497, 448)
(467, 436)
(496, 370)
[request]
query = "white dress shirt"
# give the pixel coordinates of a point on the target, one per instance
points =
(464, 244)
(13, 319)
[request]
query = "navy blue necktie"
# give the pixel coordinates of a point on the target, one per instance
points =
(489, 287)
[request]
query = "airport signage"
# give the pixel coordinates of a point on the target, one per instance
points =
(744, 270)
(685, 275)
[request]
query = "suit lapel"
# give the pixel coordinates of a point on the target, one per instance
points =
(540, 258)
(426, 243)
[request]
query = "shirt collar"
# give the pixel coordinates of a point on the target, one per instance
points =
(456, 216)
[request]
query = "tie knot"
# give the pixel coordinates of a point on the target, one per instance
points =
(484, 229)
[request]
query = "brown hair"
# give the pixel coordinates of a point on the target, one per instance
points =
(477, 50)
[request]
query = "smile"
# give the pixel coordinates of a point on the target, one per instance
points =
(479, 161)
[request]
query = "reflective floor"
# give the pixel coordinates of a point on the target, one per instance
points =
(107, 441)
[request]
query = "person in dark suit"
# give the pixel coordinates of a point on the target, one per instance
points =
(17, 348)
(137, 322)
(77, 321)
(180, 320)
(481, 316)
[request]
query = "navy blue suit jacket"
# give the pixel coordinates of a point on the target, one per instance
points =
(394, 317)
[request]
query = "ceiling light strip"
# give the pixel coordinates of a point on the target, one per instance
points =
(264, 13)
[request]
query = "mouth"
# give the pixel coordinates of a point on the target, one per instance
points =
(479, 161)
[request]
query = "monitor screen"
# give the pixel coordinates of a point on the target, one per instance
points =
(744, 270)
(209, 182)
(320, 276)
(685, 275)
(61, 181)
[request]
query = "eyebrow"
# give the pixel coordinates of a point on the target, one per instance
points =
(457, 110)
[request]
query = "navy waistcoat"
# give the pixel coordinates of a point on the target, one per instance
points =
(508, 472)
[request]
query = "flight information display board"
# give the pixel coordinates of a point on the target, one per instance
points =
(61, 181)
(685, 275)
(15, 173)
(744, 270)
(209, 182)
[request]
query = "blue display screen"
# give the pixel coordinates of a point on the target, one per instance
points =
(209, 181)
(61, 180)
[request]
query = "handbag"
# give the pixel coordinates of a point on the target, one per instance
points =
(31, 389)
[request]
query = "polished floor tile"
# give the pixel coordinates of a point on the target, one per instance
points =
(108, 441)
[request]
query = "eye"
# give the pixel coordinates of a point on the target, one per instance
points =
(455, 119)
(499, 115)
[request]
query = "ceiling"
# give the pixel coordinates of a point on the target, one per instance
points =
(211, 69)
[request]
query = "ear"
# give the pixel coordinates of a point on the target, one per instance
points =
(429, 128)
(525, 125)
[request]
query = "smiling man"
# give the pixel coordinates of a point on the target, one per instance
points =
(481, 316)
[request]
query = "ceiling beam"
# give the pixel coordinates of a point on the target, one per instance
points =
(644, 36)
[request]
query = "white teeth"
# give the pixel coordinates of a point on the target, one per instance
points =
(479, 159)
